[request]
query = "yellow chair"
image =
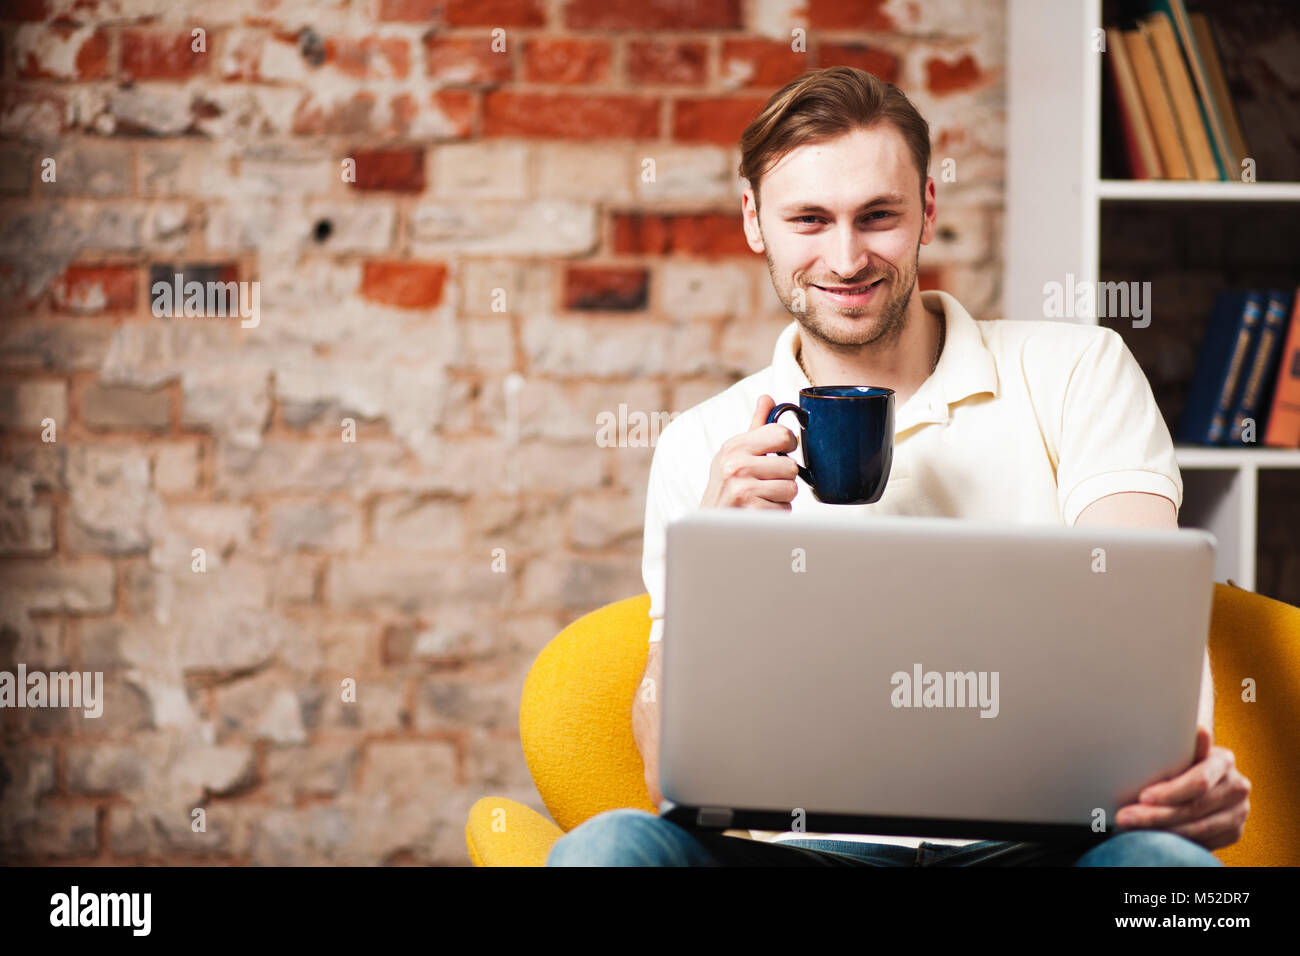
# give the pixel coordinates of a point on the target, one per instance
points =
(575, 725)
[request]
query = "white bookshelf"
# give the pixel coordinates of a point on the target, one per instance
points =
(1054, 198)
(1155, 191)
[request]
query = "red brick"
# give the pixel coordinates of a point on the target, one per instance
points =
(565, 116)
(28, 10)
(606, 288)
(667, 61)
(849, 15)
(496, 13)
(369, 57)
(394, 170)
(150, 55)
(457, 108)
(874, 60)
(714, 120)
(927, 279)
(653, 15)
(91, 60)
(566, 60)
(403, 107)
(705, 234)
(94, 289)
(764, 62)
(412, 11)
(465, 61)
(638, 234)
(944, 77)
(405, 285)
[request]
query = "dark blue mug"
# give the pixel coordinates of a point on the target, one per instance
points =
(847, 436)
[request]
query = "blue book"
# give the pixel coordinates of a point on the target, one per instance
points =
(1217, 381)
(1262, 367)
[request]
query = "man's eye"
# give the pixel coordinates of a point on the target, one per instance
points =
(879, 212)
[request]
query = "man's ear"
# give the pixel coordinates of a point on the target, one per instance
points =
(928, 213)
(749, 219)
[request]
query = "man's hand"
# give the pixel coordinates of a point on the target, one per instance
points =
(744, 475)
(1207, 802)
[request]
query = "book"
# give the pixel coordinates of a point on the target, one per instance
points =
(1221, 98)
(1211, 115)
(1173, 159)
(1216, 382)
(1187, 110)
(1140, 144)
(1260, 369)
(1283, 430)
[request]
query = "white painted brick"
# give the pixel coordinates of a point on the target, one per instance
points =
(554, 227)
(690, 173)
(494, 169)
(25, 404)
(527, 287)
(591, 172)
(692, 290)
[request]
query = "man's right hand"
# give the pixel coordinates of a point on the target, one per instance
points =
(745, 474)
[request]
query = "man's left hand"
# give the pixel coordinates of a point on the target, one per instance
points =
(1207, 802)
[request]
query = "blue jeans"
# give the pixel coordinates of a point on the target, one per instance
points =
(637, 838)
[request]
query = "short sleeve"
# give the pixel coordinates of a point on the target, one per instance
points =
(678, 477)
(1113, 438)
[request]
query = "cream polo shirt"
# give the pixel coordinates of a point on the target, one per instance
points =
(1022, 421)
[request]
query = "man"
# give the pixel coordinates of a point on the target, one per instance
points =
(1022, 421)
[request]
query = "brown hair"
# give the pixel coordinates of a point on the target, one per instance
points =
(823, 104)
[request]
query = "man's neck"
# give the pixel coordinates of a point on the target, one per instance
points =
(903, 365)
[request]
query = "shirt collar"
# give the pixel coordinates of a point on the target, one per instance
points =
(965, 368)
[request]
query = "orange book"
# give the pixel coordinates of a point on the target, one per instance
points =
(1283, 430)
(1187, 110)
(1144, 159)
(1173, 160)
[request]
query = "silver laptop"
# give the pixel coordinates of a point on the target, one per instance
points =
(925, 676)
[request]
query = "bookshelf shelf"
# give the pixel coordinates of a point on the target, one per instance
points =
(1055, 195)
(1166, 191)
(1194, 456)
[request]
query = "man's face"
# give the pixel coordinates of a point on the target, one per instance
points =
(844, 213)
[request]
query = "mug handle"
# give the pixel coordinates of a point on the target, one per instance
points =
(802, 415)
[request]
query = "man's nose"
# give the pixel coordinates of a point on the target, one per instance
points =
(850, 256)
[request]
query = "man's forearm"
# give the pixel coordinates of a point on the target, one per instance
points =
(645, 721)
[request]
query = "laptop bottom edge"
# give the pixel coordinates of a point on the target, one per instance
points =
(729, 818)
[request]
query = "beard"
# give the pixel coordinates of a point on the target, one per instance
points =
(839, 328)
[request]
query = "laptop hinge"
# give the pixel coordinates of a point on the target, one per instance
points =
(713, 817)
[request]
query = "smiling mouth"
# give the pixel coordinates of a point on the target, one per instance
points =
(851, 290)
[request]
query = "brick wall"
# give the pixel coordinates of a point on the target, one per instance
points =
(425, 217)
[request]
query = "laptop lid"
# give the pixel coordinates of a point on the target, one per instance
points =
(925, 676)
